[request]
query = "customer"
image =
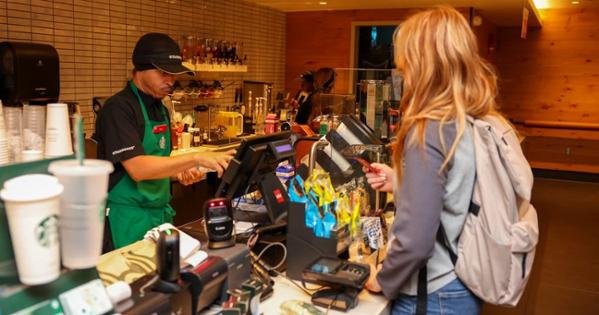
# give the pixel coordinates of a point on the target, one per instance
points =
(445, 80)
(132, 131)
(324, 80)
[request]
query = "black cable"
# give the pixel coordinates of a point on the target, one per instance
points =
(305, 290)
(331, 304)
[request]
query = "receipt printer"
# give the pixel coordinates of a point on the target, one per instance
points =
(206, 283)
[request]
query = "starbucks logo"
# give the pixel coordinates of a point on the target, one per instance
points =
(162, 143)
(46, 232)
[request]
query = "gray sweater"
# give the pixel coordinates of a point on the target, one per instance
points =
(425, 199)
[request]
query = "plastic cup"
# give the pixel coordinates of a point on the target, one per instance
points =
(58, 131)
(31, 155)
(14, 132)
(34, 127)
(32, 208)
(82, 209)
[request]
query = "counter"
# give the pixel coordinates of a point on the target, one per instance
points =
(369, 304)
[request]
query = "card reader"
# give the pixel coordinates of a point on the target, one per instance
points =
(344, 280)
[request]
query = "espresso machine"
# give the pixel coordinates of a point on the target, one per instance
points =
(29, 80)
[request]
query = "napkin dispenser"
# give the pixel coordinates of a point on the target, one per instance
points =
(29, 72)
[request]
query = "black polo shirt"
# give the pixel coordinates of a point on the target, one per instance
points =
(120, 128)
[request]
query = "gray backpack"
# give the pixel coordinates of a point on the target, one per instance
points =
(497, 244)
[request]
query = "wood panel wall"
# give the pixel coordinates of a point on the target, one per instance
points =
(553, 74)
(318, 39)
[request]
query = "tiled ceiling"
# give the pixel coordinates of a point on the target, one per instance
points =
(501, 12)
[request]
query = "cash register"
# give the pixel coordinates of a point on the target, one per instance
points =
(253, 168)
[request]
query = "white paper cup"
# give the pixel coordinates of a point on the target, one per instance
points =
(82, 209)
(58, 131)
(32, 208)
(31, 155)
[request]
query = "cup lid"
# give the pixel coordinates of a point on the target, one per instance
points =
(72, 167)
(30, 188)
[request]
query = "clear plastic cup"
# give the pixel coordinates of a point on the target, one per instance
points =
(58, 131)
(34, 127)
(82, 209)
(14, 132)
(31, 155)
(32, 208)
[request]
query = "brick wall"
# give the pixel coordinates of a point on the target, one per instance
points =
(95, 39)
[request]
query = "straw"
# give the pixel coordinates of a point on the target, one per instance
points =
(79, 142)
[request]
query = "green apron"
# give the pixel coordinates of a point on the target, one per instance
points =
(136, 207)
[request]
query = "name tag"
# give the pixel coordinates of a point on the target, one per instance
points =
(159, 129)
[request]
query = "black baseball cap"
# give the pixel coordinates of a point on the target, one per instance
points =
(158, 51)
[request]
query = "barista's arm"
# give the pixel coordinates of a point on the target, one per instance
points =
(144, 167)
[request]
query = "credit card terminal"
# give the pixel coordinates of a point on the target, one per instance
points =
(335, 271)
(218, 220)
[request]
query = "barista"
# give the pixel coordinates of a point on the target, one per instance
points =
(324, 79)
(133, 132)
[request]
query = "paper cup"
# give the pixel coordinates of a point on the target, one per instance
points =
(58, 131)
(32, 208)
(82, 209)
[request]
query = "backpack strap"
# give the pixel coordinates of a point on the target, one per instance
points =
(421, 292)
(444, 241)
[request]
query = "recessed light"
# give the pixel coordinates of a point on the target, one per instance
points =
(541, 4)
(575, 2)
(322, 3)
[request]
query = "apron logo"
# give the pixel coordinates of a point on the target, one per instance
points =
(162, 143)
(46, 232)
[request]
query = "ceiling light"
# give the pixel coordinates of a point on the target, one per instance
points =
(322, 3)
(541, 4)
(575, 2)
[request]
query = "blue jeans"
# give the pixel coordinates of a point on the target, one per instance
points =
(454, 298)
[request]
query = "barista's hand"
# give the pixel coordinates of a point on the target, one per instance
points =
(190, 176)
(372, 284)
(218, 161)
(382, 177)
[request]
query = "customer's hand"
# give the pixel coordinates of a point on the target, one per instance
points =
(218, 161)
(381, 178)
(190, 176)
(372, 284)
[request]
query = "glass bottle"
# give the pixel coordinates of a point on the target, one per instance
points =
(200, 51)
(187, 51)
(208, 50)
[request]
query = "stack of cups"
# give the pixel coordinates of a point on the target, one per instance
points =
(58, 131)
(3, 140)
(14, 131)
(34, 131)
(32, 208)
(82, 210)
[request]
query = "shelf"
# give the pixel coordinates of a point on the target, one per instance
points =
(216, 68)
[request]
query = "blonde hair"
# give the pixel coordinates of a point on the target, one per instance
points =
(444, 77)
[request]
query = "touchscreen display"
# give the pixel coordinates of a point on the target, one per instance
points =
(284, 148)
(326, 265)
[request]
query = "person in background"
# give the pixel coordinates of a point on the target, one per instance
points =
(324, 80)
(133, 132)
(445, 80)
